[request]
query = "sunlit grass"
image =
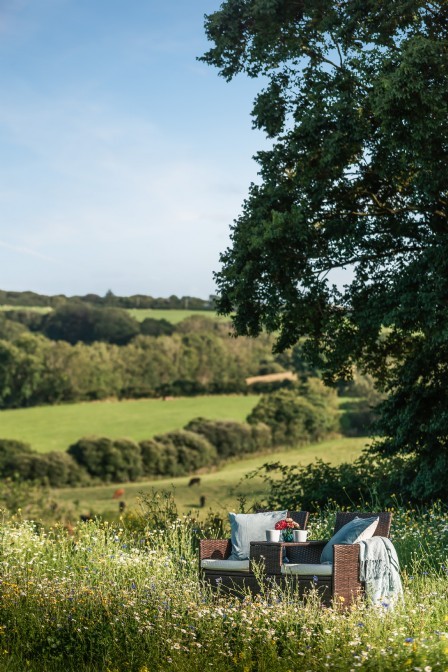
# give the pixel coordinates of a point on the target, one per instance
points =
(48, 428)
(221, 488)
(128, 597)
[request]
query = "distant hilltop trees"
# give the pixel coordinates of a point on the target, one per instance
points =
(32, 299)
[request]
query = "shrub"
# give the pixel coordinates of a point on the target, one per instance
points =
(108, 459)
(153, 327)
(10, 449)
(158, 459)
(193, 451)
(369, 478)
(230, 438)
(292, 418)
(55, 469)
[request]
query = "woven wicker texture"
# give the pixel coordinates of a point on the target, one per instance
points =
(222, 548)
(343, 586)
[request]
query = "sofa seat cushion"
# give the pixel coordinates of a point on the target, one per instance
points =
(307, 569)
(225, 565)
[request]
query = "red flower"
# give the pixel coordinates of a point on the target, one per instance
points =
(287, 524)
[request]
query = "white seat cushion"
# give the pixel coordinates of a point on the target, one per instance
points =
(226, 565)
(303, 569)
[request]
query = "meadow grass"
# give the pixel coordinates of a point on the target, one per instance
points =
(36, 309)
(172, 315)
(222, 489)
(128, 597)
(48, 428)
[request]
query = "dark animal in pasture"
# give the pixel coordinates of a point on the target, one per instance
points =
(194, 481)
(85, 517)
(121, 506)
(202, 501)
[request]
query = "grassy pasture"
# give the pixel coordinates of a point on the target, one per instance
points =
(48, 428)
(172, 315)
(35, 309)
(220, 488)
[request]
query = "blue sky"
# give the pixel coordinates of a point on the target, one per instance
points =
(123, 160)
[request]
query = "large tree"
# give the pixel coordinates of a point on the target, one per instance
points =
(355, 99)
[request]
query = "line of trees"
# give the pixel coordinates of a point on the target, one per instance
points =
(201, 444)
(33, 299)
(198, 358)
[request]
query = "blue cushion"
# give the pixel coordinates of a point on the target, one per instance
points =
(247, 527)
(350, 533)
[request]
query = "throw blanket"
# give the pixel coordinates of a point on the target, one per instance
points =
(380, 571)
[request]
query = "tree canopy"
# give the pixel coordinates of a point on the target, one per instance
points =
(354, 98)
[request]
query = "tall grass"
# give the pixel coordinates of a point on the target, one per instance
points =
(127, 597)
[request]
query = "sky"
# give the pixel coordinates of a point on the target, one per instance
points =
(123, 160)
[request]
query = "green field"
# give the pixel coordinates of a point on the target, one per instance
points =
(36, 309)
(220, 488)
(48, 428)
(140, 314)
(173, 316)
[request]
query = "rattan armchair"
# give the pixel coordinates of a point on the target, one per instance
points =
(339, 581)
(232, 577)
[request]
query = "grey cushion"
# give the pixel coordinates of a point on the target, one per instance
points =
(302, 569)
(225, 565)
(247, 527)
(356, 530)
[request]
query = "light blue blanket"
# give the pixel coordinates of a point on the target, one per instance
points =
(380, 571)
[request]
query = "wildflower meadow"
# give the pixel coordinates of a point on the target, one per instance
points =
(127, 597)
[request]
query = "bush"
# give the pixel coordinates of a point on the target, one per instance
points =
(81, 322)
(231, 438)
(55, 469)
(110, 460)
(155, 459)
(193, 451)
(19, 461)
(152, 327)
(370, 478)
(10, 450)
(160, 459)
(292, 418)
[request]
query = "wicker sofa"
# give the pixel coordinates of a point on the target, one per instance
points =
(339, 581)
(217, 570)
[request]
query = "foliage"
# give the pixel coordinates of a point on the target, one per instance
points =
(191, 450)
(9, 450)
(127, 597)
(356, 102)
(110, 460)
(371, 478)
(151, 327)
(199, 358)
(56, 469)
(292, 418)
(160, 458)
(231, 439)
(87, 324)
(34, 300)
